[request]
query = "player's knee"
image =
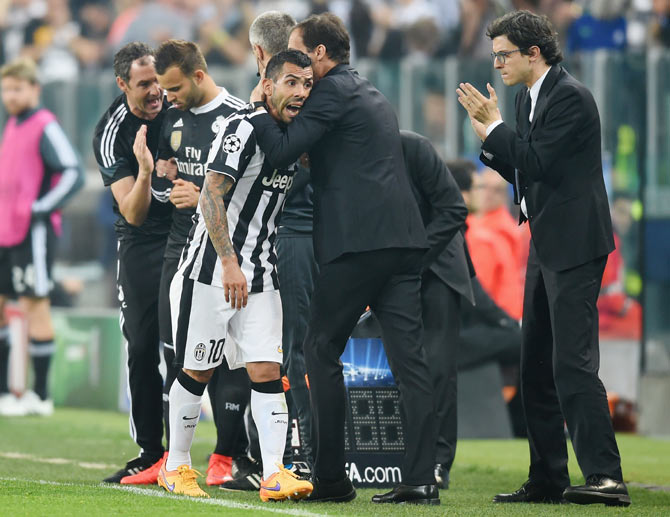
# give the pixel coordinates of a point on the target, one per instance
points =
(38, 315)
(203, 376)
(263, 371)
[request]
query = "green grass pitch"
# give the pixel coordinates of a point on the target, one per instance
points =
(53, 467)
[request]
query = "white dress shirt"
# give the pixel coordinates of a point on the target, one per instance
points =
(534, 93)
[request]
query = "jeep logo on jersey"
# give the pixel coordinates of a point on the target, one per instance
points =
(175, 140)
(281, 182)
(199, 352)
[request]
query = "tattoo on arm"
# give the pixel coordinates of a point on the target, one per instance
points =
(214, 212)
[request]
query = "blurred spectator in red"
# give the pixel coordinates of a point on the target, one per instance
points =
(492, 211)
(495, 229)
(494, 259)
(620, 315)
(51, 42)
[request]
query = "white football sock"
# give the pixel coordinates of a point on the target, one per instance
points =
(184, 417)
(271, 417)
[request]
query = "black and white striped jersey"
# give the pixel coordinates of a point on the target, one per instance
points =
(253, 205)
(188, 136)
(113, 147)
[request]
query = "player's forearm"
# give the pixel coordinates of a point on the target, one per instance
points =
(214, 213)
(135, 205)
(69, 184)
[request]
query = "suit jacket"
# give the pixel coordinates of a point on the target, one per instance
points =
(443, 212)
(560, 172)
(362, 197)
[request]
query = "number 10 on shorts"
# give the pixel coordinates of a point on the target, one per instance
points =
(216, 350)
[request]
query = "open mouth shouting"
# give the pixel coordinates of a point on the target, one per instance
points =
(293, 108)
(154, 103)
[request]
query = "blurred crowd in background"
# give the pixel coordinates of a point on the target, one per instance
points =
(68, 37)
(75, 39)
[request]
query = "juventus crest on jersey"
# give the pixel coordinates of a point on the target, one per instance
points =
(253, 206)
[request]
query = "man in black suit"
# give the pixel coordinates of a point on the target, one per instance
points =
(553, 159)
(444, 280)
(369, 241)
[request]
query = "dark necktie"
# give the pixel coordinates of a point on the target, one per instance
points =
(524, 129)
(525, 115)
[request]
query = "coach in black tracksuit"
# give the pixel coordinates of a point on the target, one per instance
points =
(368, 241)
(142, 228)
(445, 279)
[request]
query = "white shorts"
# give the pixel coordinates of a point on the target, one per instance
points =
(205, 327)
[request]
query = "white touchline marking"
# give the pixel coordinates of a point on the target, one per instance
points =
(56, 461)
(217, 502)
(159, 493)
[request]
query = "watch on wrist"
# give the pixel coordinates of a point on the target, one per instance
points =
(258, 104)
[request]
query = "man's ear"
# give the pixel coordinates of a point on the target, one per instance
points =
(534, 52)
(121, 84)
(268, 87)
(320, 52)
(258, 52)
(198, 76)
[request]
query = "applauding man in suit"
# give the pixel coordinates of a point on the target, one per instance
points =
(553, 159)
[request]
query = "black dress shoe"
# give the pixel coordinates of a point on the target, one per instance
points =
(532, 493)
(441, 476)
(411, 494)
(341, 491)
(599, 489)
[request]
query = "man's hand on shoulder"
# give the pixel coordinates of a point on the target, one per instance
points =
(257, 94)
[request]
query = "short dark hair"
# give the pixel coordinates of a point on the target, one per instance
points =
(525, 29)
(328, 30)
(277, 61)
(462, 170)
(128, 54)
(185, 55)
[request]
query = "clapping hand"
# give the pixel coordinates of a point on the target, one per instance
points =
(482, 111)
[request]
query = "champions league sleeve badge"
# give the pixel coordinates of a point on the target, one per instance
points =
(232, 144)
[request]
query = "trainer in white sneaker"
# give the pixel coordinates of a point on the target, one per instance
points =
(10, 405)
(34, 405)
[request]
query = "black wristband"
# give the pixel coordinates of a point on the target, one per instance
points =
(258, 104)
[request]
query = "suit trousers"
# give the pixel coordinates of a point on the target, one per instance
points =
(297, 269)
(559, 373)
(441, 322)
(388, 280)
